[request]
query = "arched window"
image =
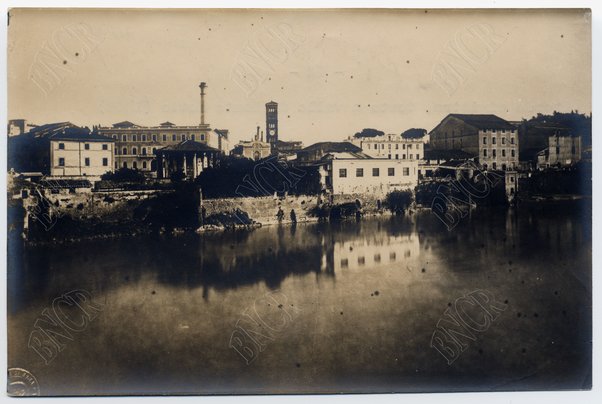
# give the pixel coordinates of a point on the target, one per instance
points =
(114, 137)
(124, 138)
(144, 138)
(144, 151)
(154, 150)
(134, 150)
(183, 136)
(125, 164)
(144, 165)
(134, 138)
(125, 151)
(135, 165)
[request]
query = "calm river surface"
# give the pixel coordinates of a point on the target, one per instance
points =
(355, 308)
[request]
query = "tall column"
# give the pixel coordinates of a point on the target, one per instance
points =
(184, 165)
(195, 166)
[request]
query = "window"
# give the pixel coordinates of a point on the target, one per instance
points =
(512, 152)
(375, 172)
(154, 138)
(503, 140)
(124, 138)
(61, 146)
(512, 140)
(173, 138)
(409, 146)
(61, 162)
(359, 172)
(87, 161)
(494, 166)
(165, 138)
(396, 146)
(391, 171)
(493, 153)
(406, 171)
(105, 147)
(202, 136)
(403, 146)
(403, 156)
(134, 150)
(135, 165)
(144, 138)
(105, 161)
(342, 172)
(87, 146)
(389, 146)
(485, 153)
(484, 140)
(144, 164)
(125, 151)
(114, 137)
(144, 151)
(503, 152)
(154, 150)
(397, 157)
(493, 132)
(493, 140)
(125, 164)
(183, 136)
(134, 138)
(193, 137)
(411, 156)
(417, 156)
(389, 157)
(116, 151)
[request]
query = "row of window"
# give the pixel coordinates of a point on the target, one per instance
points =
(105, 162)
(124, 151)
(359, 172)
(504, 167)
(86, 146)
(403, 156)
(494, 153)
(134, 165)
(493, 140)
(145, 138)
(382, 146)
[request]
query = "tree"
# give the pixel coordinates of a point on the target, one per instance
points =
(124, 175)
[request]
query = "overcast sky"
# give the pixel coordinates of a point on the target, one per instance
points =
(332, 72)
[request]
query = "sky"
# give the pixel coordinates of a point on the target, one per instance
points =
(333, 72)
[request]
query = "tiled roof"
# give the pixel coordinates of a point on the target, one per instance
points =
(328, 147)
(189, 145)
(124, 124)
(484, 121)
(83, 134)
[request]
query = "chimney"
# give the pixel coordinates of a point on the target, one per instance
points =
(262, 136)
(257, 134)
(202, 86)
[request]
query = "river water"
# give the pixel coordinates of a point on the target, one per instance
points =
(339, 307)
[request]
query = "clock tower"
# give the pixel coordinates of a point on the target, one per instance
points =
(271, 123)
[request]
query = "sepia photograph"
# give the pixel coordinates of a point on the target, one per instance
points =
(298, 201)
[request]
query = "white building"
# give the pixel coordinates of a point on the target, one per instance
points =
(77, 153)
(346, 174)
(392, 146)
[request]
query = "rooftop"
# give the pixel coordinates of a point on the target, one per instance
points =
(329, 147)
(483, 121)
(189, 146)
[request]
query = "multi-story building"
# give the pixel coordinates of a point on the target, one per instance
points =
(135, 145)
(349, 174)
(75, 152)
(491, 138)
(563, 150)
(392, 146)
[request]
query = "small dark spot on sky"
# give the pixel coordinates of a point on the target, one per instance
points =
(376, 293)
(153, 292)
(423, 269)
(209, 29)
(198, 39)
(252, 25)
(351, 76)
(269, 78)
(282, 88)
(371, 294)
(407, 61)
(280, 306)
(562, 36)
(427, 110)
(76, 53)
(341, 313)
(368, 104)
(64, 62)
(416, 26)
(426, 11)
(358, 105)
(288, 116)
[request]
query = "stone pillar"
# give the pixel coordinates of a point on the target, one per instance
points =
(184, 165)
(195, 166)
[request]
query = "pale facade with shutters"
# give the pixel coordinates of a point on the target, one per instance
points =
(80, 157)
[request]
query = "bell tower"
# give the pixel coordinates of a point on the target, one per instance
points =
(271, 123)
